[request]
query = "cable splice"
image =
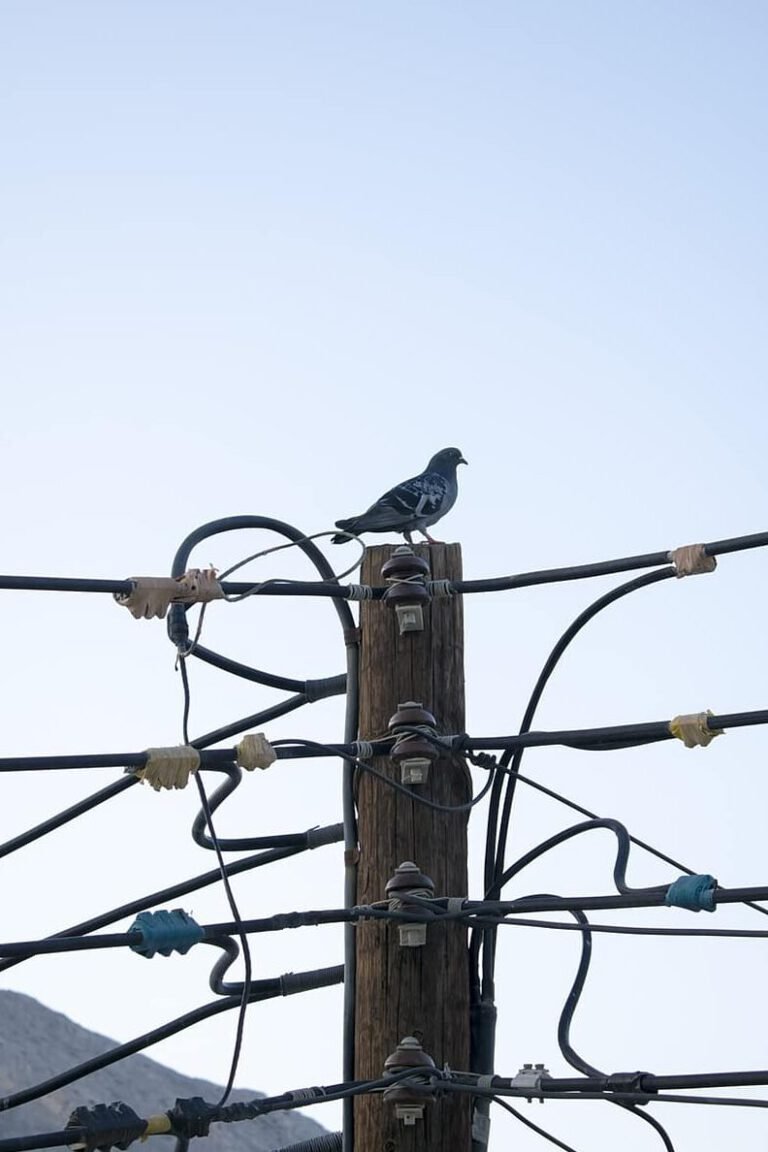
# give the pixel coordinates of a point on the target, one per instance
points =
(255, 751)
(191, 1117)
(693, 729)
(165, 932)
(169, 767)
(692, 560)
(106, 1126)
(696, 893)
(151, 596)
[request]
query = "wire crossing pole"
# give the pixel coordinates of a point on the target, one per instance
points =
(420, 991)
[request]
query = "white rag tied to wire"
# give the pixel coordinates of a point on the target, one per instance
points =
(151, 596)
(692, 560)
(255, 751)
(169, 767)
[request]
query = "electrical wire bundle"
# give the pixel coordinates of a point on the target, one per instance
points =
(155, 932)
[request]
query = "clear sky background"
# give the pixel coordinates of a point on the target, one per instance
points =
(267, 258)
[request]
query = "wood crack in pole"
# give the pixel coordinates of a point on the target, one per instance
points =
(412, 991)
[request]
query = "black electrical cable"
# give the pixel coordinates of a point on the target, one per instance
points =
(498, 826)
(612, 738)
(183, 888)
(330, 586)
(634, 839)
(67, 814)
(572, 999)
(260, 990)
(263, 717)
(213, 933)
(246, 990)
(482, 988)
(551, 663)
(530, 1124)
(363, 766)
(619, 876)
(606, 738)
(604, 567)
(245, 672)
(177, 628)
(233, 777)
(415, 911)
(482, 993)
(71, 1136)
(474, 917)
(619, 868)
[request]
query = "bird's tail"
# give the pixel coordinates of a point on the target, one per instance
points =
(349, 529)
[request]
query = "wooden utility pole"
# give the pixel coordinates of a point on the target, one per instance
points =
(412, 991)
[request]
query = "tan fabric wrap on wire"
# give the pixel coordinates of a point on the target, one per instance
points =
(152, 596)
(169, 767)
(693, 730)
(255, 751)
(691, 560)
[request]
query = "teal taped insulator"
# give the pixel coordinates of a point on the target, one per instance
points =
(165, 932)
(696, 893)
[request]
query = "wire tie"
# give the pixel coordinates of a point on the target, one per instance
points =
(169, 767)
(363, 749)
(165, 932)
(485, 1082)
(696, 893)
(409, 731)
(455, 904)
(151, 596)
(306, 1093)
(441, 588)
(693, 729)
(632, 1083)
(359, 592)
(254, 751)
(691, 560)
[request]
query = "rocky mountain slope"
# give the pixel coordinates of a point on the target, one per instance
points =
(37, 1043)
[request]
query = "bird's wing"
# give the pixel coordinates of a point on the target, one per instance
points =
(421, 496)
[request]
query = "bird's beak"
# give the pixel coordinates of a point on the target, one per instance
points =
(462, 460)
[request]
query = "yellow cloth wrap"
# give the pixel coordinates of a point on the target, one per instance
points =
(692, 560)
(151, 596)
(157, 1126)
(692, 729)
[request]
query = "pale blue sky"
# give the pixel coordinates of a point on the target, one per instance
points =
(268, 258)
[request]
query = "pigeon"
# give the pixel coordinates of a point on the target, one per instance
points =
(413, 505)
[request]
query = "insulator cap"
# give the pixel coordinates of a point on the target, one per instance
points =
(403, 564)
(409, 714)
(408, 878)
(408, 1054)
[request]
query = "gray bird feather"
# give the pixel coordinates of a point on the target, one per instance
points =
(412, 506)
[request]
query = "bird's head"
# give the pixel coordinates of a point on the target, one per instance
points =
(446, 460)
